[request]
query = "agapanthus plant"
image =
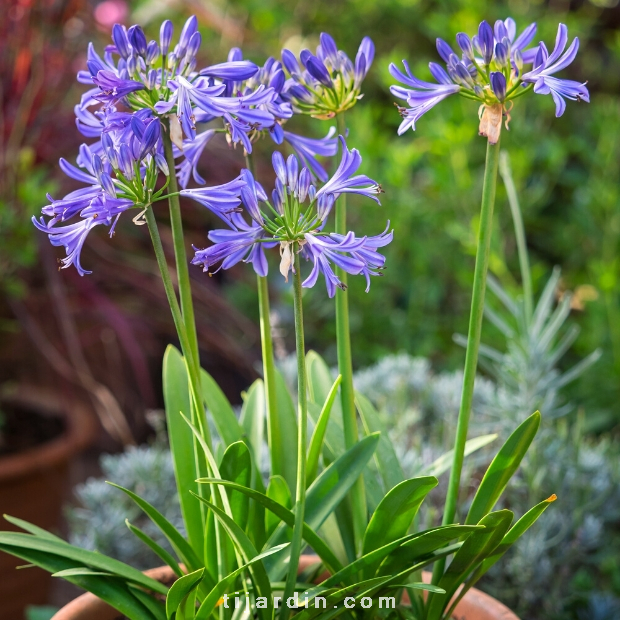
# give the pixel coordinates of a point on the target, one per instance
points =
(493, 70)
(493, 67)
(237, 529)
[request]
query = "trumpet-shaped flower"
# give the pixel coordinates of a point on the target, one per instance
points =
(243, 243)
(546, 65)
(222, 200)
(345, 181)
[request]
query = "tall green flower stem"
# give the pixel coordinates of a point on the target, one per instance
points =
(180, 255)
(300, 492)
(177, 316)
(269, 367)
(517, 218)
(345, 368)
(473, 337)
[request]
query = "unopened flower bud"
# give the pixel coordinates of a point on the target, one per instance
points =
(119, 36)
(277, 201)
(162, 164)
(501, 54)
(165, 36)
(464, 42)
(110, 151)
(498, 84)
(137, 38)
(194, 44)
(290, 62)
(190, 27)
(152, 52)
(303, 185)
(444, 49)
(518, 61)
(292, 172)
(132, 65)
(125, 161)
(151, 79)
(279, 166)
(485, 41)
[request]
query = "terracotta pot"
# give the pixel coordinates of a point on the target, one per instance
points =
(476, 605)
(33, 484)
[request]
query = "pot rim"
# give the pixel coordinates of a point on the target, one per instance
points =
(78, 434)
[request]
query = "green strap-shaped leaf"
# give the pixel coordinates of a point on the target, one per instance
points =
(212, 465)
(247, 551)
(111, 590)
(82, 572)
(156, 548)
(236, 466)
(32, 529)
(278, 491)
(253, 414)
(320, 382)
(92, 559)
(475, 549)
(396, 511)
(211, 600)
(224, 417)
(287, 423)
(514, 533)
(181, 547)
(421, 545)
(328, 490)
(182, 445)
(156, 608)
(180, 589)
(326, 493)
(406, 550)
(318, 436)
(333, 597)
(387, 462)
(375, 586)
(502, 468)
(444, 462)
(286, 515)
(253, 418)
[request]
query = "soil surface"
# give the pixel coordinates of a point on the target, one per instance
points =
(22, 428)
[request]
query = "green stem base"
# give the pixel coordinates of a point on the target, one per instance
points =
(473, 337)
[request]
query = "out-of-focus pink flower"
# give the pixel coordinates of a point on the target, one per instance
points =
(111, 12)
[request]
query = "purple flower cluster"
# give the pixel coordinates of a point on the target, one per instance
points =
(142, 89)
(139, 88)
(134, 84)
(294, 220)
(118, 172)
(491, 67)
(262, 94)
(328, 82)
